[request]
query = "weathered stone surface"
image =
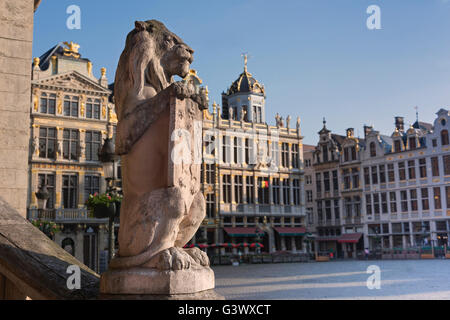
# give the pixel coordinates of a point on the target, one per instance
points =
(163, 205)
(16, 35)
(36, 265)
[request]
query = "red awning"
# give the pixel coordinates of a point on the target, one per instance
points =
(244, 232)
(291, 232)
(350, 238)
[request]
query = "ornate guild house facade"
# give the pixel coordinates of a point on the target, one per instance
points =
(253, 173)
(381, 191)
(71, 114)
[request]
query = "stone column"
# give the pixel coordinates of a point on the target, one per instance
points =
(294, 246)
(79, 243)
(81, 186)
(58, 190)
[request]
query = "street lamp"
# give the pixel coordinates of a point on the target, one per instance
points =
(107, 155)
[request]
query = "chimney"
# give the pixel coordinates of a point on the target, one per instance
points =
(400, 124)
(367, 130)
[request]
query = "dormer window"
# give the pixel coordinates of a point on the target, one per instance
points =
(412, 143)
(373, 150)
(397, 146)
(444, 138)
(325, 153)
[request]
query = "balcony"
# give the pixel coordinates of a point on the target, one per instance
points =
(262, 209)
(63, 215)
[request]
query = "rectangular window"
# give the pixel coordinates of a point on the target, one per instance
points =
(91, 186)
(382, 173)
(425, 199)
(355, 178)
(335, 181)
(401, 171)
(328, 209)
(238, 190)
(376, 203)
(423, 167)
(47, 143)
(393, 199)
(319, 211)
(447, 191)
(295, 156)
(285, 155)
(71, 106)
(309, 196)
(70, 191)
(93, 143)
(347, 178)
(210, 205)
(446, 165)
(250, 189)
(263, 190)
(348, 206)
(276, 191)
(337, 211)
(391, 172)
(49, 181)
(374, 175)
(435, 166)
(210, 174)
(384, 203)
(369, 204)
(413, 196)
(326, 181)
(404, 200)
(286, 192)
(71, 142)
(226, 183)
(412, 169)
(48, 103)
(367, 176)
(437, 198)
(318, 182)
(296, 191)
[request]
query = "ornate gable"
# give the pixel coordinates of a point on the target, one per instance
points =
(71, 81)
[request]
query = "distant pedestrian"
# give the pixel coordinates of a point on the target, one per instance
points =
(366, 253)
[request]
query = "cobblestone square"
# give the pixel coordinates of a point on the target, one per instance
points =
(407, 279)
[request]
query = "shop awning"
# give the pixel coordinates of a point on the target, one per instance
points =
(350, 238)
(291, 232)
(244, 232)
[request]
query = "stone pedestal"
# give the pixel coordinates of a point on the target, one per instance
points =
(204, 295)
(145, 281)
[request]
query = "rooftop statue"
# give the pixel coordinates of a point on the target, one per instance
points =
(163, 205)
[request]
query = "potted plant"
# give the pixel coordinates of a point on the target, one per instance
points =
(47, 227)
(103, 206)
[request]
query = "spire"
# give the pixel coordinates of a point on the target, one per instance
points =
(417, 113)
(245, 56)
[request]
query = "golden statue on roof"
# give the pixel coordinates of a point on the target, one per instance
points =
(72, 49)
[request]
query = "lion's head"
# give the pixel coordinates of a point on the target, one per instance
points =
(152, 56)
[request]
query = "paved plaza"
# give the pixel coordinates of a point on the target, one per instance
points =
(407, 279)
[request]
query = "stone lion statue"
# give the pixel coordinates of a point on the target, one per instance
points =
(157, 218)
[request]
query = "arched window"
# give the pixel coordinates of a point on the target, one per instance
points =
(373, 149)
(444, 138)
(69, 245)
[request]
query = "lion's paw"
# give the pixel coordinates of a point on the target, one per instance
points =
(171, 259)
(198, 256)
(182, 90)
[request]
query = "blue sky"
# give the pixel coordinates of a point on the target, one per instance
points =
(316, 58)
